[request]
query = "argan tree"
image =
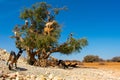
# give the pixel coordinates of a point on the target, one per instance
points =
(34, 38)
(91, 58)
(116, 59)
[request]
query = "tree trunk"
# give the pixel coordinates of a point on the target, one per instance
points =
(30, 57)
(43, 59)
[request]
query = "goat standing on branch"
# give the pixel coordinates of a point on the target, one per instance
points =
(49, 26)
(13, 58)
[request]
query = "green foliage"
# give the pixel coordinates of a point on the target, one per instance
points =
(116, 59)
(56, 10)
(37, 12)
(91, 58)
(37, 15)
(32, 34)
(73, 45)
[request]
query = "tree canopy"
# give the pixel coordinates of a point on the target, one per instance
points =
(40, 34)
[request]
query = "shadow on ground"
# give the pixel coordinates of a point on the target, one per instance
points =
(19, 69)
(89, 67)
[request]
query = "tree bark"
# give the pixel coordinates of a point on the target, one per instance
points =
(42, 60)
(30, 57)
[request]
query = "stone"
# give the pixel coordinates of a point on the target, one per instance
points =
(1, 73)
(13, 75)
(51, 76)
(28, 76)
(33, 77)
(57, 78)
(41, 77)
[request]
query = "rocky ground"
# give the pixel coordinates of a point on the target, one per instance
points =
(27, 72)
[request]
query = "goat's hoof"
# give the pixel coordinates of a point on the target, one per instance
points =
(9, 67)
(6, 63)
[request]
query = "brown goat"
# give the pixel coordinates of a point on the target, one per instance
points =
(62, 64)
(13, 58)
(49, 27)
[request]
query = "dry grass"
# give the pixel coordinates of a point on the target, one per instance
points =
(103, 65)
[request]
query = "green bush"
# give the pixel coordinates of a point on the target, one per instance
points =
(116, 59)
(91, 58)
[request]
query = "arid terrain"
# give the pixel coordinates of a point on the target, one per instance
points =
(86, 71)
(104, 65)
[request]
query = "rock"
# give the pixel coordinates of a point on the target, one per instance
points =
(57, 78)
(41, 77)
(3, 59)
(17, 78)
(20, 77)
(51, 76)
(27, 76)
(1, 73)
(13, 75)
(47, 73)
(33, 77)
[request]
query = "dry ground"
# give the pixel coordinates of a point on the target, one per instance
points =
(87, 71)
(103, 65)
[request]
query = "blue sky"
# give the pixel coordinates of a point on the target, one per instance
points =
(97, 20)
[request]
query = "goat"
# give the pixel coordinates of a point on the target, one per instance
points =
(13, 58)
(49, 27)
(62, 63)
(18, 37)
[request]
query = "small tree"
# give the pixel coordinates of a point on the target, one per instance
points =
(34, 38)
(116, 59)
(91, 58)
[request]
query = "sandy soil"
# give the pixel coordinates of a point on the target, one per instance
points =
(83, 73)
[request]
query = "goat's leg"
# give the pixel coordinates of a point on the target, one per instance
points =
(16, 65)
(10, 66)
(64, 65)
(9, 59)
(7, 62)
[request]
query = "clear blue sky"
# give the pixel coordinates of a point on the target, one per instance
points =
(97, 20)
